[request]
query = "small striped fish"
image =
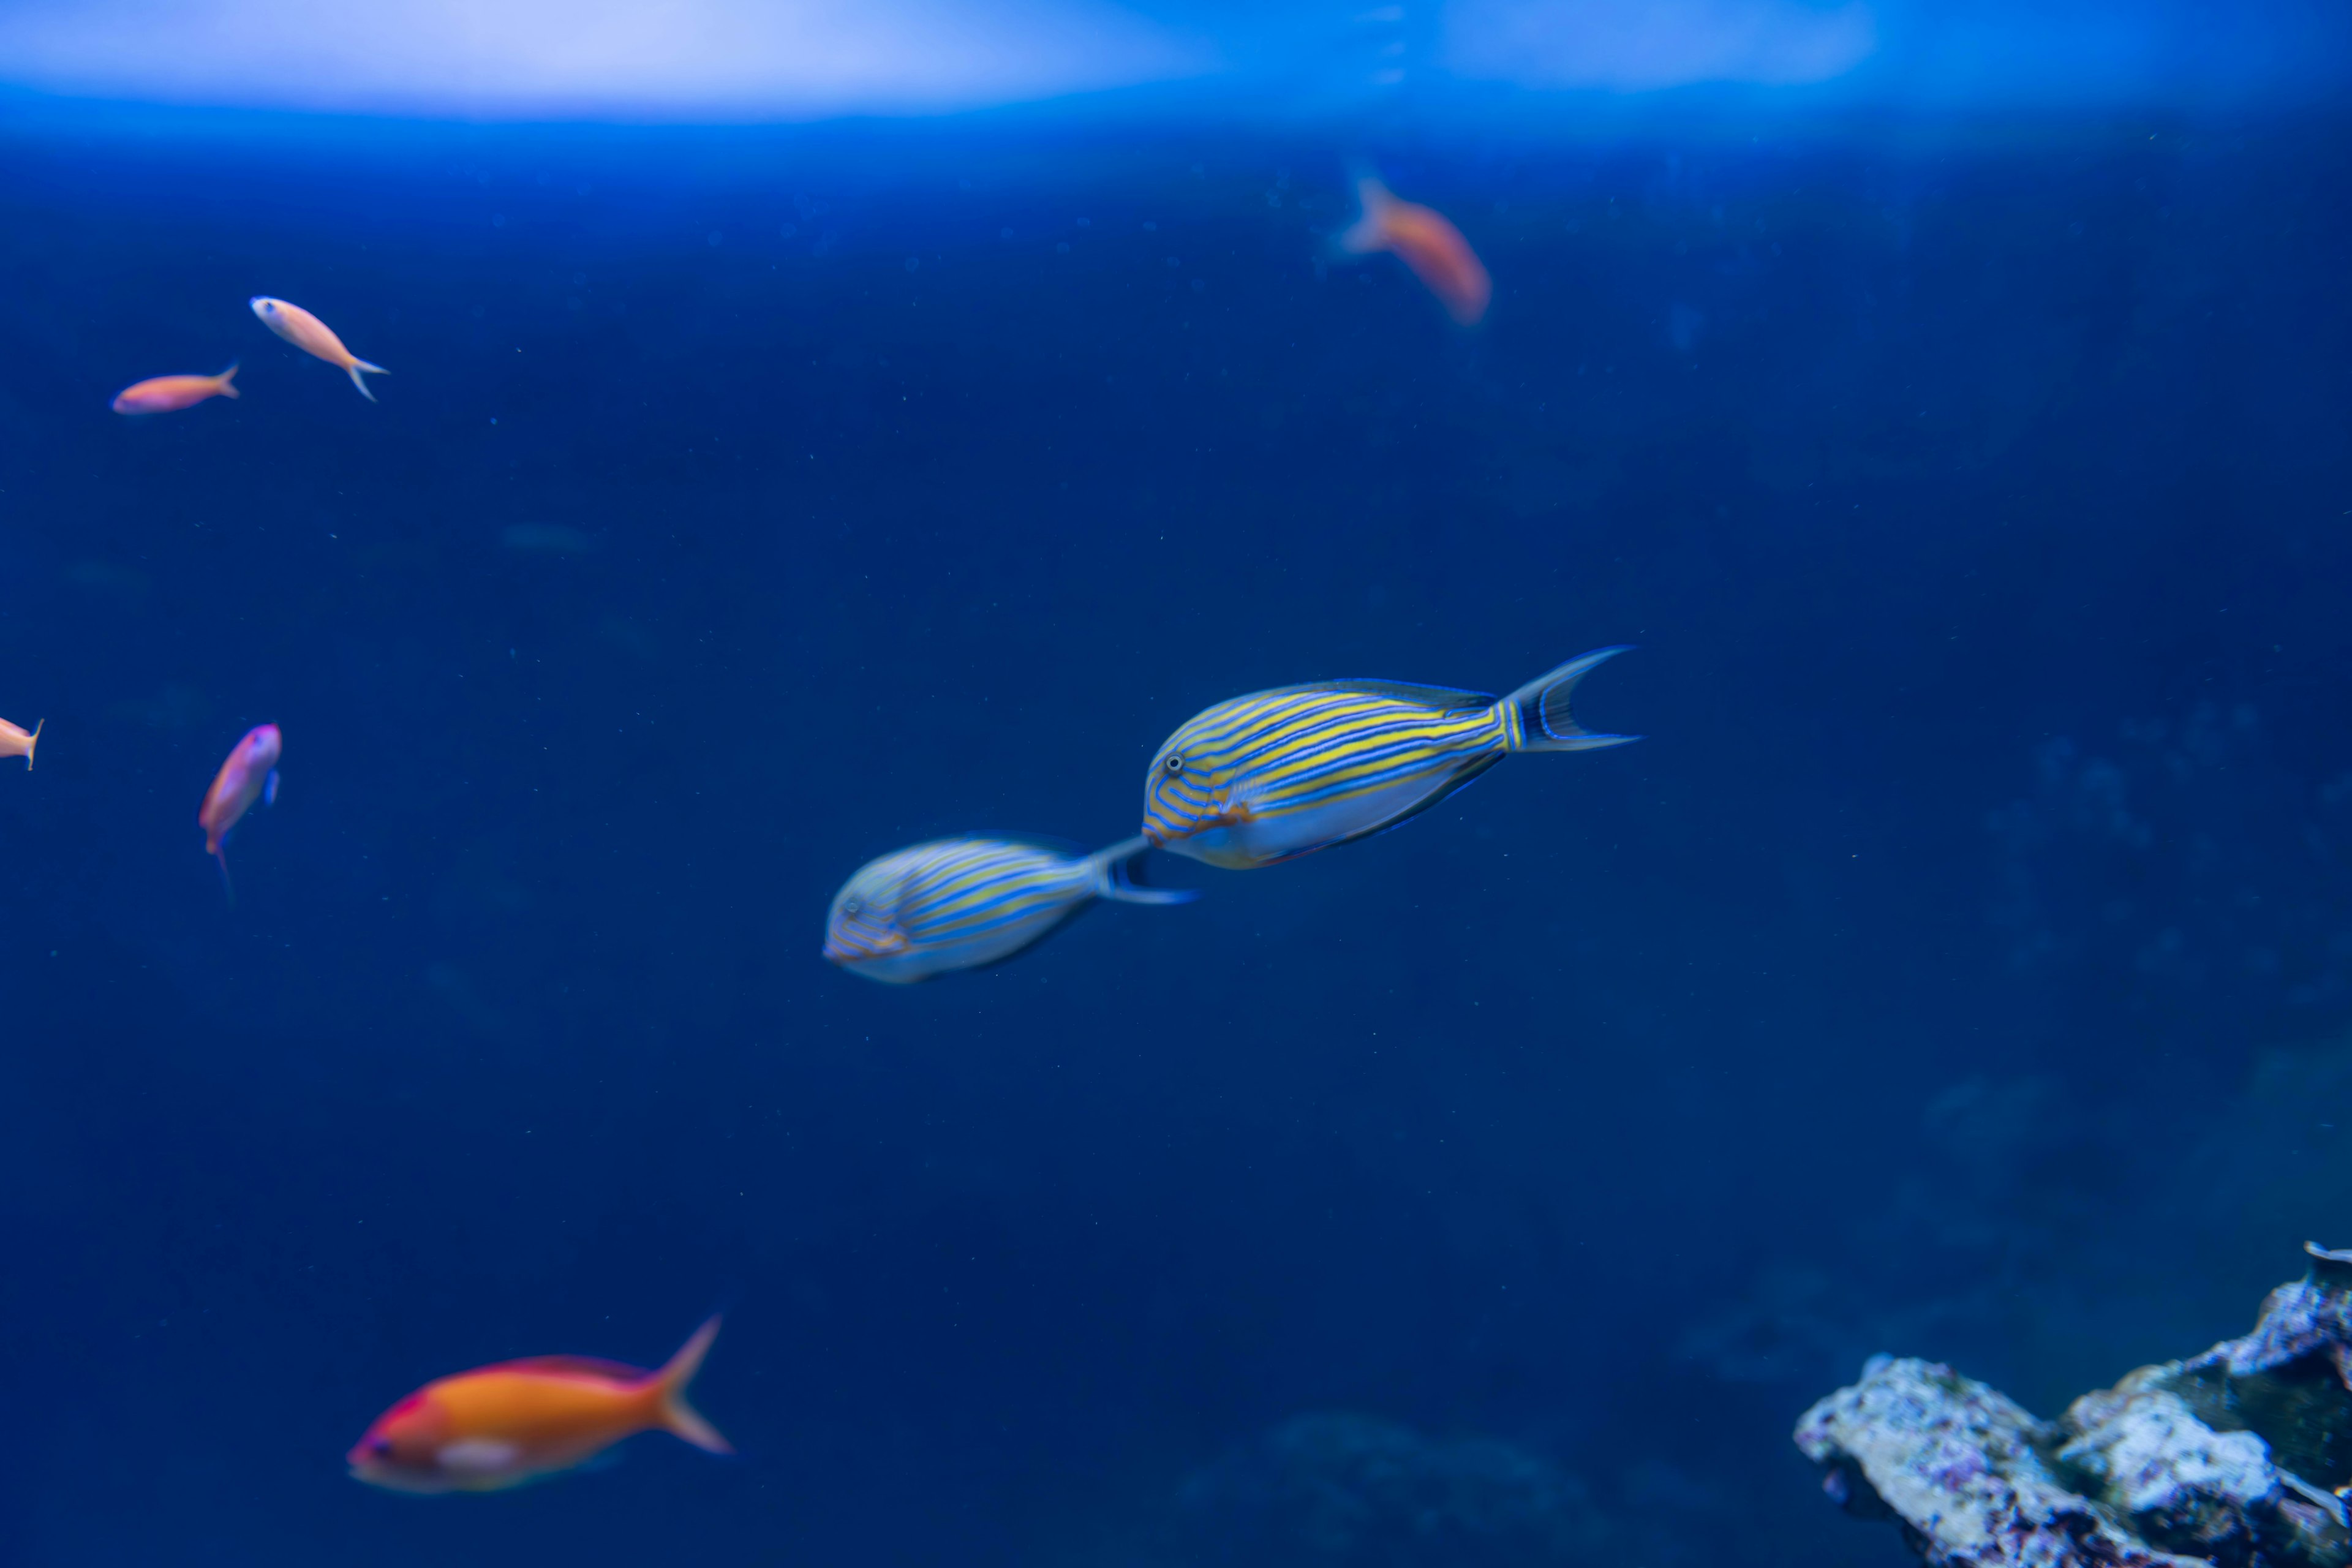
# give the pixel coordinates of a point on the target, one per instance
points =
(1278, 774)
(958, 903)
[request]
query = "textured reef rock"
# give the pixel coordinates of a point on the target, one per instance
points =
(2225, 1459)
(1332, 1490)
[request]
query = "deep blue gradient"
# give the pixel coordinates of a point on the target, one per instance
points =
(1977, 496)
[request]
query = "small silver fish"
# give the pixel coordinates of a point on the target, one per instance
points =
(958, 903)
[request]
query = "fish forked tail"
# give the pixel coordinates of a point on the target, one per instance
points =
(1369, 231)
(1115, 877)
(1545, 723)
(32, 742)
(358, 366)
(227, 382)
(671, 1412)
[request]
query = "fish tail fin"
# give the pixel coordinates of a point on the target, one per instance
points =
(1115, 877)
(1543, 722)
(671, 1412)
(34, 741)
(358, 366)
(227, 886)
(227, 382)
(1369, 231)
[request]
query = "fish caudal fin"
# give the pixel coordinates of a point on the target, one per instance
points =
(227, 383)
(1545, 723)
(1369, 231)
(1115, 877)
(671, 1412)
(355, 367)
(34, 741)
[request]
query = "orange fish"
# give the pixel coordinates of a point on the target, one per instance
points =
(170, 394)
(1424, 241)
(15, 743)
(313, 336)
(501, 1425)
(249, 774)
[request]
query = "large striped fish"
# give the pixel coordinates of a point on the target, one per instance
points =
(1277, 774)
(958, 903)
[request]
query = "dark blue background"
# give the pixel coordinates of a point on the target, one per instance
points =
(1618, 1108)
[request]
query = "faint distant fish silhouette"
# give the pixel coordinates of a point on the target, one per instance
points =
(15, 743)
(313, 336)
(498, 1427)
(249, 774)
(958, 903)
(1424, 241)
(1277, 774)
(169, 394)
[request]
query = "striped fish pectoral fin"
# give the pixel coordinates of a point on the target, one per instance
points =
(1115, 877)
(1545, 721)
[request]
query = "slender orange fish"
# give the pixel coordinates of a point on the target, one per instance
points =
(498, 1427)
(15, 743)
(1424, 241)
(313, 336)
(249, 774)
(170, 394)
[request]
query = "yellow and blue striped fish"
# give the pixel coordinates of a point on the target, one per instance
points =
(1277, 774)
(958, 903)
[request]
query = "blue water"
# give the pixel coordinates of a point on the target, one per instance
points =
(745, 504)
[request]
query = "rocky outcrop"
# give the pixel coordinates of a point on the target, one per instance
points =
(1961, 1468)
(2226, 1458)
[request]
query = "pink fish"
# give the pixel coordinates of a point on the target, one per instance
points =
(498, 1427)
(15, 743)
(170, 394)
(1424, 241)
(249, 774)
(314, 337)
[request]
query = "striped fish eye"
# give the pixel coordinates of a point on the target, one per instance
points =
(851, 906)
(1175, 763)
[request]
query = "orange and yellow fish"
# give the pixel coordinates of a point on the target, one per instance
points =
(15, 743)
(249, 774)
(170, 394)
(1425, 242)
(498, 1427)
(313, 336)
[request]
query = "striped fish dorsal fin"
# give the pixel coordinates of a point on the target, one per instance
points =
(1443, 699)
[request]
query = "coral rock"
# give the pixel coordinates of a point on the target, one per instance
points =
(2181, 1484)
(1959, 1464)
(2222, 1460)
